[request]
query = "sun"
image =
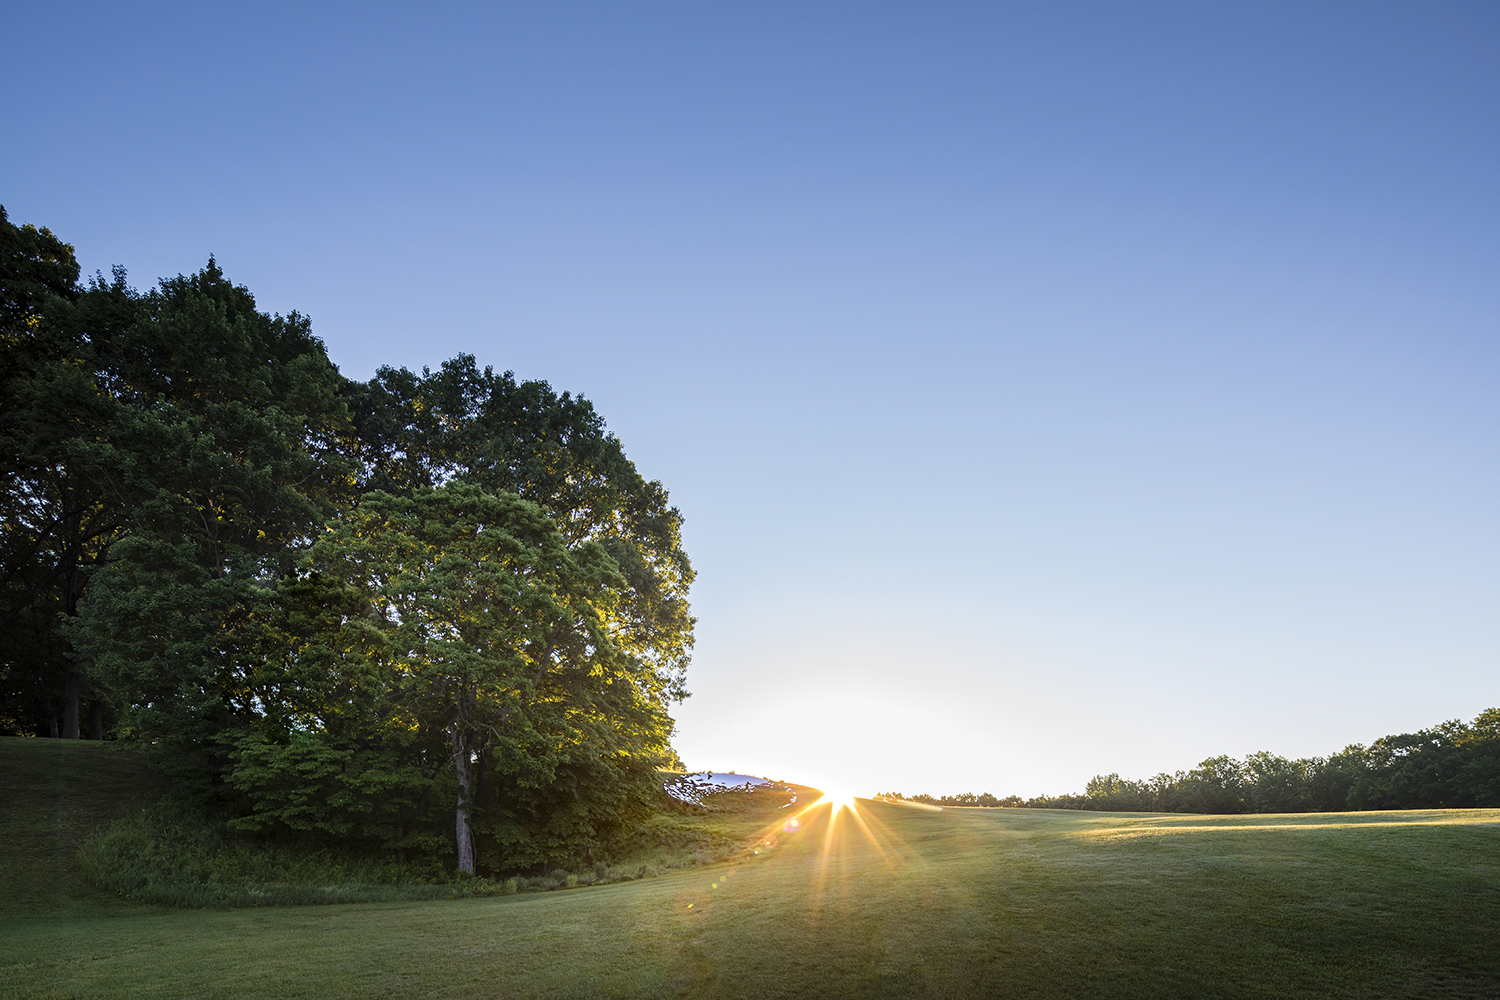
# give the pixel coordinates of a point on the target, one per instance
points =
(839, 798)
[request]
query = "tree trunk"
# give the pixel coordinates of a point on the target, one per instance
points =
(463, 836)
(73, 683)
(96, 719)
(71, 686)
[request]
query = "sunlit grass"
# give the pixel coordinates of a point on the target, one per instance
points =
(877, 900)
(1116, 825)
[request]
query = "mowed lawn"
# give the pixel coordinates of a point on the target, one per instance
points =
(899, 902)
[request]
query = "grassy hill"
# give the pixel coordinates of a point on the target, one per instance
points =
(55, 793)
(897, 902)
(60, 793)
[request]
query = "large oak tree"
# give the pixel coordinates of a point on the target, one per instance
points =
(497, 626)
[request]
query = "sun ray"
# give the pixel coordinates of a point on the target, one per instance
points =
(870, 834)
(888, 846)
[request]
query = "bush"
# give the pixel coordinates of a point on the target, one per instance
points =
(174, 858)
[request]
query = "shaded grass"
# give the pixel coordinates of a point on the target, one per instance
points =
(54, 794)
(956, 903)
(169, 856)
(84, 836)
(173, 857)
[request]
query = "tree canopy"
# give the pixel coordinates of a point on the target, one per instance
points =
(339, 609)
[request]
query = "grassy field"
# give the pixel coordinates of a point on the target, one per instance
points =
(895, 902)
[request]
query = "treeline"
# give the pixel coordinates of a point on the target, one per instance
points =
(983, 800)
(1450, 766)
(434, 615)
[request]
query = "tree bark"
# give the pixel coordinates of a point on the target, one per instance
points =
(96, 719)
(71, 686)
(73, 683)
(463, 836)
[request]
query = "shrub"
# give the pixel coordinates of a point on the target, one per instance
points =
(171, 857)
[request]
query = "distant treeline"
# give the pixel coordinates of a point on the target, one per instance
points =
(984, 799)
(1450, 766)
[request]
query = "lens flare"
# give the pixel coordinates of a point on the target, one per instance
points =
(839, 798)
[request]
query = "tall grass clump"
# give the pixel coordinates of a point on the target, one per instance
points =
(176, 854)
(170, 857)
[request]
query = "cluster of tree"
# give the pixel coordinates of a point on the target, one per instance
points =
(983, 800)
(343, 609)
(1450, 766)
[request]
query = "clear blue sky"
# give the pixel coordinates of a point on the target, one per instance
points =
(1049, 389)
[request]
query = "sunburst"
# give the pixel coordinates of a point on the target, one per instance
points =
(838, 798)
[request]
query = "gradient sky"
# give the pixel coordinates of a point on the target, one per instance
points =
(1049, 389)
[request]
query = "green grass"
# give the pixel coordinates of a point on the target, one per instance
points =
(54, 794)
(84, 834)
(957, 903)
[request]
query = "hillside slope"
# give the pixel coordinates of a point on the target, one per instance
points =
(895, 903)
(56, 793)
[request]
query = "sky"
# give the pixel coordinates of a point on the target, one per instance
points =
(1048, 389)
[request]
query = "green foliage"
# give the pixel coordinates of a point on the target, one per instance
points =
(492, 627)
(464, 424)
(231, 428)
(1451, 766)
(336, 609)
(35, 267)
(313, 782)
(78, 805)
(57, 520)
(983, 800)
(174, 858)
(182, 441)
